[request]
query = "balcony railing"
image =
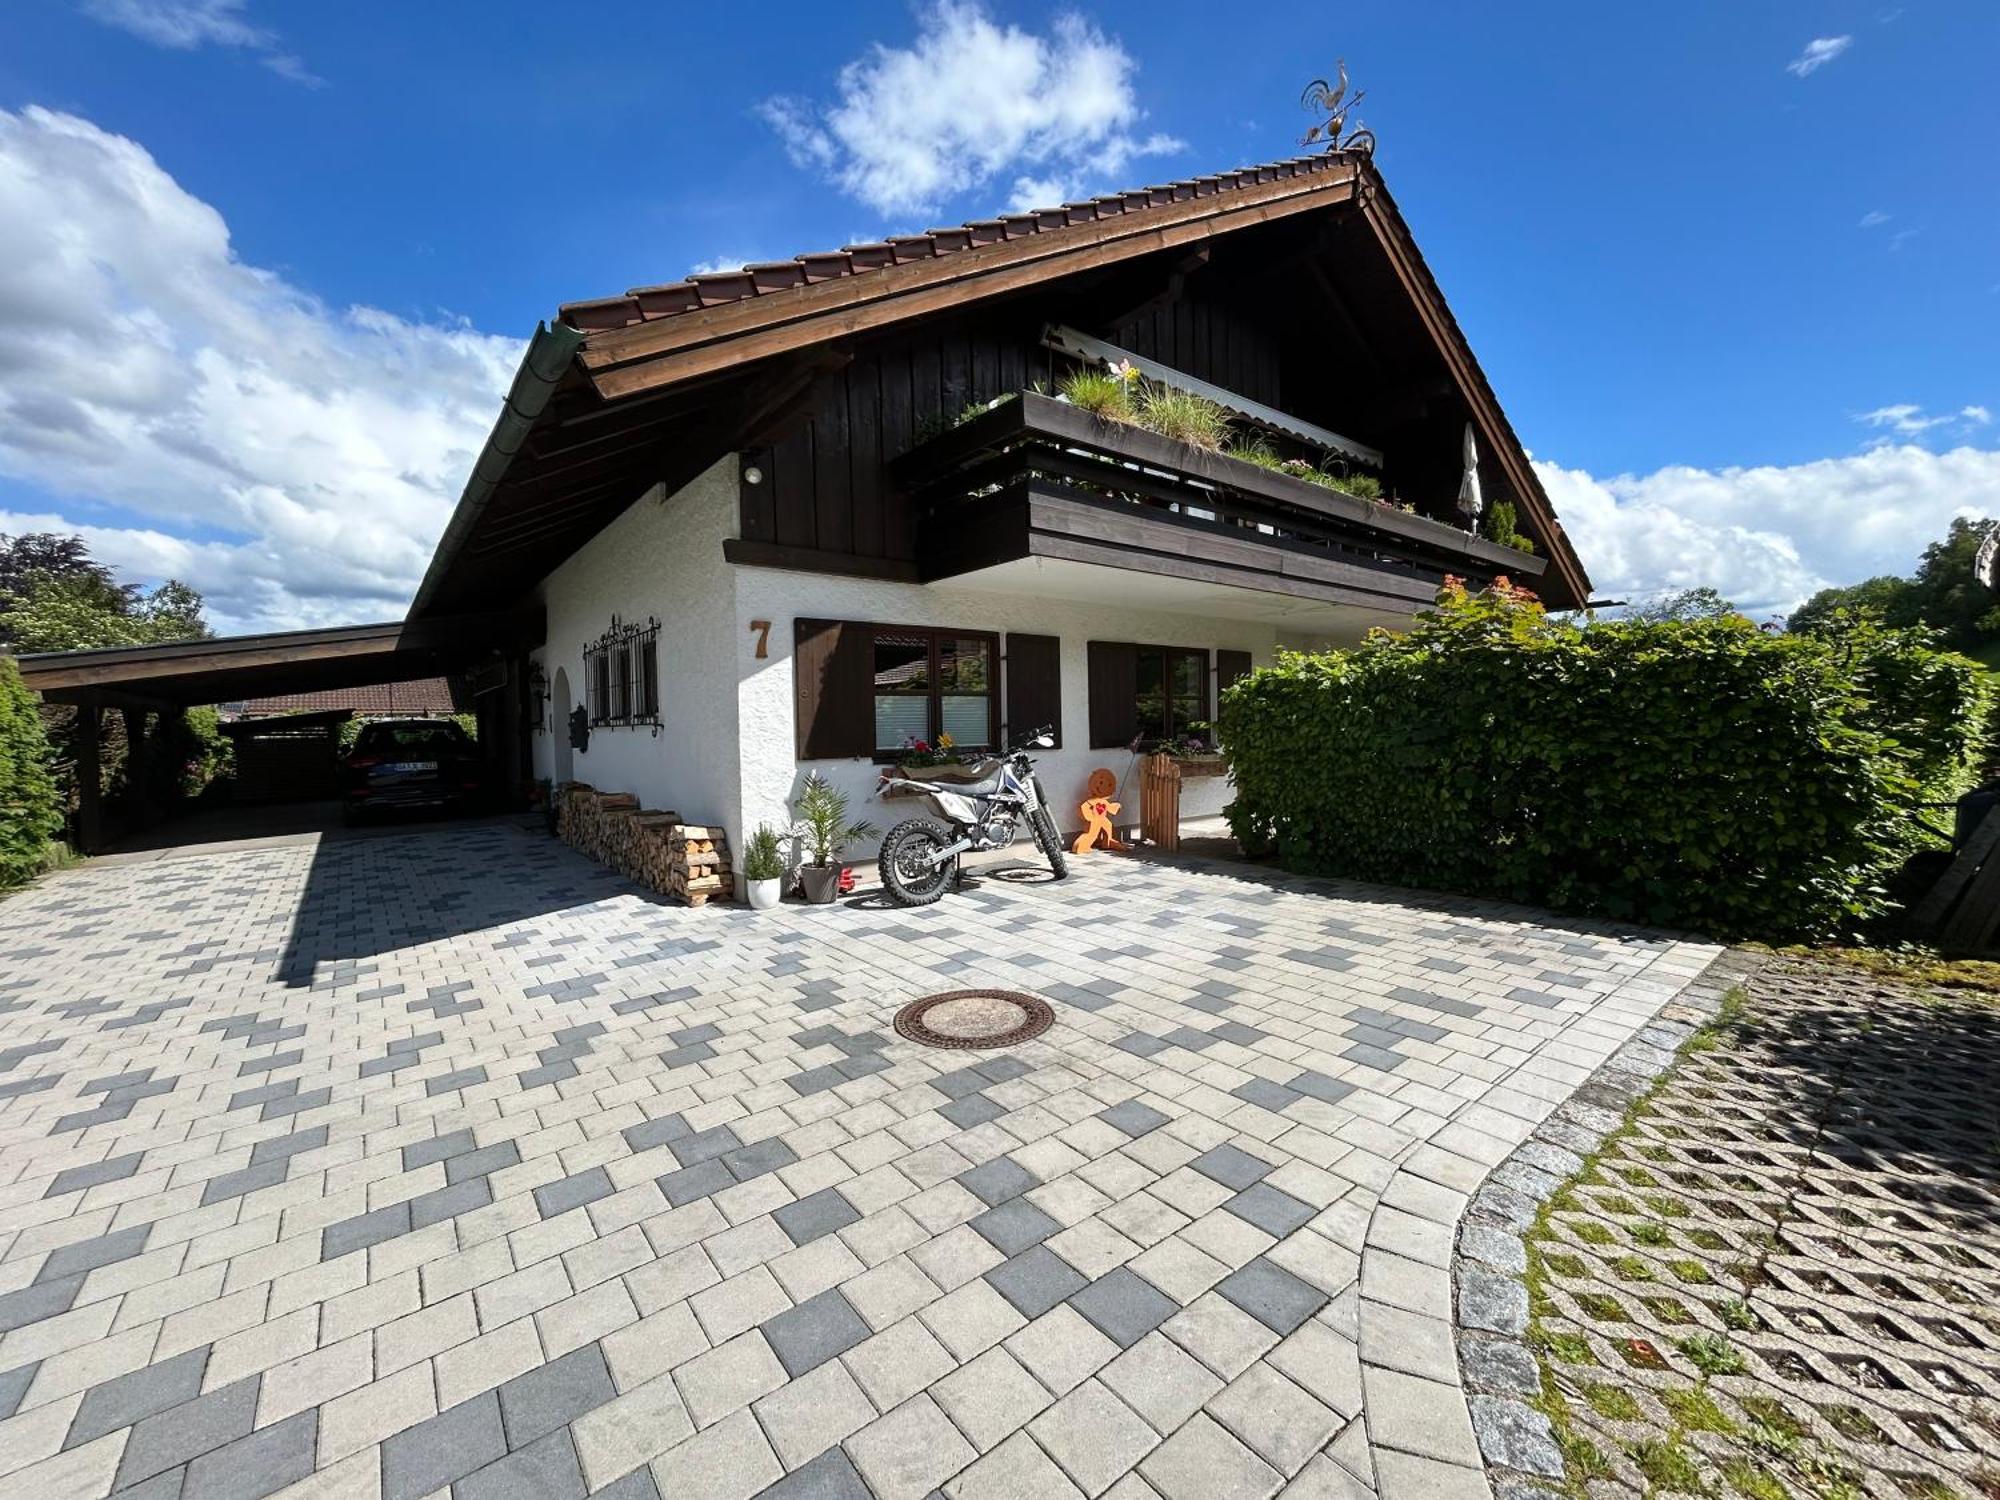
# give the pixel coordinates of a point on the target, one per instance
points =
(1034, 444)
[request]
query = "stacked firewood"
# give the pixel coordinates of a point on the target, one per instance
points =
(654, 848)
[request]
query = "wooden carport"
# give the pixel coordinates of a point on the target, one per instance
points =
(486, 652)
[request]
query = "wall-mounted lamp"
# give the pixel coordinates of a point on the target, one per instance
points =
(753, 475)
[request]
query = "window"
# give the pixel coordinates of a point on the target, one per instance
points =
(929, 683)
(1144, 694)
(622, 675)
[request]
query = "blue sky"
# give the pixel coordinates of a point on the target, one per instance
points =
(1734, 270)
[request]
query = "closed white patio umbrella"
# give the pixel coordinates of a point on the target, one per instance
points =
(1469, 500)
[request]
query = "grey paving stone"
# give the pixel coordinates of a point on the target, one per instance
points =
(14, 1385)
(821, 1213)
(807, 1336)
(757, 1158)
(187, 1431)
(1321, 1086)
(555, 1394)
(495, 1158)
(1379, 1058)
(135, 1396)
(1239, 1033)
(42, 1299)
(1002, 1069)
(1265, 1094)
(698, 1181)
(461, 1078)
(285, 1147)
(693, 1149)
(544, 1470)
(996, 1181)
(972, 1110)
(248, 1180)
(163, 1486)
(1139, 1044)
(1013, 1226)
(1275, 1212)
(114, 1169)
(449, 1202)
(1123, 1306)
(363, 1230)
(437, 1148)
(258, 1465)
(87, 1255)
(1035, 1280)
(650, 1133)
(1272, 1295)
(298, 1105)
(1231, 1166)
(566, 1193)
(831, 1476)
(445, 1448)
(638, 1485)
(1132, 1117)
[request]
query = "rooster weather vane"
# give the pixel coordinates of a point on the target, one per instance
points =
(1333, 100)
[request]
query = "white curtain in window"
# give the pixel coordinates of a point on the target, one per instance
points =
(966, 719)
(900, 718)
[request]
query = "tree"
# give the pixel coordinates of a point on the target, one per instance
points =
(30, 807)
(1702, 603)
(1944, 594)
(1889, 597)
(55, 597)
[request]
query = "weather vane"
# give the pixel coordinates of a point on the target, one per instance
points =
(1333, 100)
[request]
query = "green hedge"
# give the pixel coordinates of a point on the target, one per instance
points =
(30, 812)
(1703, 774)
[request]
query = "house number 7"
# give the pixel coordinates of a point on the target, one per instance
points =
(762, 630)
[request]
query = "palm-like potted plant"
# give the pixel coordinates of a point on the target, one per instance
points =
(764, 868)
(823, 829)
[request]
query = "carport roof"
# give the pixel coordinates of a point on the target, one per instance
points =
(225, 669)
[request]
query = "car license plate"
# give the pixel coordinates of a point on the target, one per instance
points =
(401, 767)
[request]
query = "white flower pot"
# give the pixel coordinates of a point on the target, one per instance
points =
(764, 893)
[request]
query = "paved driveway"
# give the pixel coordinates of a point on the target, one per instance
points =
(451, 1161)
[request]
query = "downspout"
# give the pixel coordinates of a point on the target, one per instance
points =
(542, 368)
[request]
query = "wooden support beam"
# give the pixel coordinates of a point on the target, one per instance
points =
(89, 780)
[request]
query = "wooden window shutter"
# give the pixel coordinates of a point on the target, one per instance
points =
(1229, 666)
(1034, 685)
(1114, 694)
(833, 666)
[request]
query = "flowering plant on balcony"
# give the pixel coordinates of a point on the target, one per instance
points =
(919, 753)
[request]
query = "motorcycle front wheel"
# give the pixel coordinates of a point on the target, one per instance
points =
(908, 875)
(1050, 841)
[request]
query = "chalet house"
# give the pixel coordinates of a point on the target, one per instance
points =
(793, 516)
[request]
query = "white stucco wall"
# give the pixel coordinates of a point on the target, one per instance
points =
(765, 696)
(663, 559)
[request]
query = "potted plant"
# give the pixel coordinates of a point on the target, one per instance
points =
(764, 868)
(824, 830)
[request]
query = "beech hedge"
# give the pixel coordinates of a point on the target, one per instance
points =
(1706, 774)
(30, 811)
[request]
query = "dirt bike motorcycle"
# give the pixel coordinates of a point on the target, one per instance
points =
(920, 856)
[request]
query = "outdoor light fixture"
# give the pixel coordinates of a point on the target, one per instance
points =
(753, 475)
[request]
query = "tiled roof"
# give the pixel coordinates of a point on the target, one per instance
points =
(428, 695)
(648, 303)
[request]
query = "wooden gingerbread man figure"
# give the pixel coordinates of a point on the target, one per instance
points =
(1097, 810)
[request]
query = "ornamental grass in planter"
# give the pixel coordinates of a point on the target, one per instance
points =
(822, 828)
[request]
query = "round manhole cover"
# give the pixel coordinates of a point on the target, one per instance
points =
(974, 1018)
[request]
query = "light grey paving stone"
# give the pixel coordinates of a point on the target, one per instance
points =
(831, 1476)
(996, 1181)
(566, 1193)
(113, 1169)
(1035, 1280)
(817, 1214)
(42, 1299)
(14, 1385)
(258, 1465)
(87, 1255)
(134, 1397)
(1203, 1461)
(437, 1148)
(1231, 1166)
(1272, 1295)
(1124, 1307)
(444, 1448)
(1272, 1210)
(1014, 1226)
(554, 1394)
(544, 1470)
(180, 1433)
(807, 1336)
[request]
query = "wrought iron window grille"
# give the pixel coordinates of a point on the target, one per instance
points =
(621, 674)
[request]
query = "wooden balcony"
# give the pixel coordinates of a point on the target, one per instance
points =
(1036, 477)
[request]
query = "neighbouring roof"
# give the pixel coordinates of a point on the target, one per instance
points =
(425, 695)
(648, 303)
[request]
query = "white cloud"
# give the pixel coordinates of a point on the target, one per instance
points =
(1771, 536)
(184, 25)
(1909, 420)
(1874, 219)
(1820, 51)
(971, 102)
(316, 451)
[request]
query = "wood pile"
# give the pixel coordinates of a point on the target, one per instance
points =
(684, 860)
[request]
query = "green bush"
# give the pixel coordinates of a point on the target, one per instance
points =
(1702, 774)
(30, 812)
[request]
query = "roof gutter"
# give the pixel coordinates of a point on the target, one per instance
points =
(547, 360)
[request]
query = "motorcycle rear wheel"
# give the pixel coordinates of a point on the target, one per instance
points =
(907, 876)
